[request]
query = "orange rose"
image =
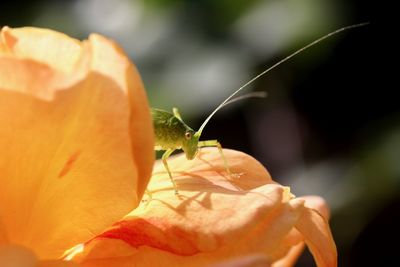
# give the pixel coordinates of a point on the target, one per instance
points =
(77, 152)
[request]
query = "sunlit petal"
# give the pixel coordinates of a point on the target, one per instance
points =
(291, 256)
(294, 244)
(57, 263)
(318, 237)
(16, 256)
(214, 219)
(256, 260)
(72, 159)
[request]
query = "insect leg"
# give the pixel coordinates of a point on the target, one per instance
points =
(176, 113)
(215, 143)
(164, 158)
(149, 194)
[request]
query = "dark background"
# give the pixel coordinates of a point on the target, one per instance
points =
(330, 124)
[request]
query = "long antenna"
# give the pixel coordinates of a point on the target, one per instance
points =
(257, 94)
(274, 66)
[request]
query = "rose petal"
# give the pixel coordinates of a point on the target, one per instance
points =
(57, 263)
(317, 203)
(318, 238)
(248, 173)
(17, 256)
(72, 154)
(25, 73)
(41, 45)
(3, 234)
(290, 258)
(294, 245)
(215, 217)
(246, 261)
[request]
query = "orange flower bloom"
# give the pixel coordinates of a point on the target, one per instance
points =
(77, 153)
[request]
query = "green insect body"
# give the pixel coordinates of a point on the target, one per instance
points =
(172, 133)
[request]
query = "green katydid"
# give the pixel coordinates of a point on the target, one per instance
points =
(172, 133)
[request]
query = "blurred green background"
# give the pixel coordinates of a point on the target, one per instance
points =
(326, 127)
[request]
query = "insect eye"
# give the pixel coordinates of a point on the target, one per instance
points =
(188, 135)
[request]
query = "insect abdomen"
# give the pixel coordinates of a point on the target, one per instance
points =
(168, 130)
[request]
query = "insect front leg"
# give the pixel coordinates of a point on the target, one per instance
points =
(215, 143)
(164, 158)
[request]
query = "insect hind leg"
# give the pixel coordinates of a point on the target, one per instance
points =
(215, 143)
(176, 113)
(164, 158)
